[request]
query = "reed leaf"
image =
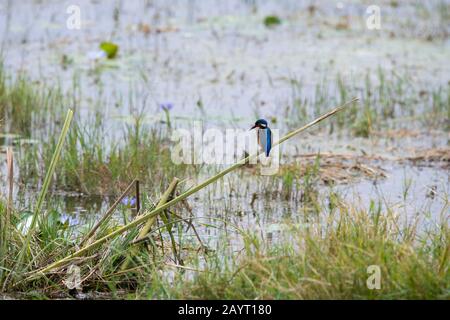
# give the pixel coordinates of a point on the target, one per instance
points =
(10, 168)
(46, 184)
(5, 215)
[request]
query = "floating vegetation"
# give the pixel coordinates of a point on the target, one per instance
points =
(272, 21)
(110, 49)
(334, 169)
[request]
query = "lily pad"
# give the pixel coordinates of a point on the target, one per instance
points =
(271, 21)
(110, 49)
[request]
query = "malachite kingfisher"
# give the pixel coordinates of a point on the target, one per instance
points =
(264, 135)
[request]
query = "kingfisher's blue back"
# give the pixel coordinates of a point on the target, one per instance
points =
(265, 139)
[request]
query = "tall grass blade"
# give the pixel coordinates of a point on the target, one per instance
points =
(5, 217)
(45, 186)
(9, 207)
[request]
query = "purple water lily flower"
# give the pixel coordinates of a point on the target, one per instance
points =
(71, 220)
(167, 106)
(129, 201)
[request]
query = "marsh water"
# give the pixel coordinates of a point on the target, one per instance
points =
(216, 62)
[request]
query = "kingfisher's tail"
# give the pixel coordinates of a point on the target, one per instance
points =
(269, 142)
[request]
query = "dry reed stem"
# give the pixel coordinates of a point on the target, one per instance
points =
(107, 215)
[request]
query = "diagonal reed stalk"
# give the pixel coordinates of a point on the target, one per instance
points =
(163, 200)
(107, 215)
(148, 225)
(146, 216)
(45, 186)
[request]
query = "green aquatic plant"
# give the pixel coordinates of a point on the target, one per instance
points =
(25, 249)
(271, 21)
(110, 49)
(50, 171)
(326, 259)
